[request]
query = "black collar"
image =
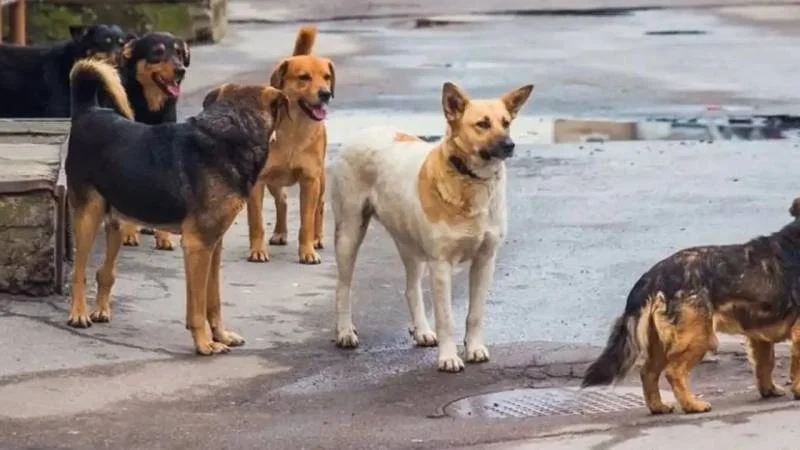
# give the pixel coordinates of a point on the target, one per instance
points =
(462, 168)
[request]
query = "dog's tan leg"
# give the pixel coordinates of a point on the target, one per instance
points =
(255, 224)
(163, 240)
(419, 329)
(762, 357)
(197, 264)
(655, 362)
(130, 234)
(280, 232)
(214, 306)
(692, 339)
(481, 272)
(794, 369)
(441, 274)
(309, 198)
(319, 219)
(86, 217)
(105, 274)
(351, 227)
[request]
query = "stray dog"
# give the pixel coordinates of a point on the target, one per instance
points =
(298, 154)
(675, 308)
(153, 67)
(190, 178)
(34, 80)
(443, 204)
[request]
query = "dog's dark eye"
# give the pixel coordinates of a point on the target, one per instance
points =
(506, 123)
(327, 77)
(484, 124)
(121, 41)
(304, 77)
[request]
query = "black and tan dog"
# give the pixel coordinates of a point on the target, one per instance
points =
(673, 311)
(190, 178)
(153, 67)
(34, 80)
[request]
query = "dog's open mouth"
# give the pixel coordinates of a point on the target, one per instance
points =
(170, 87)
(317, 112)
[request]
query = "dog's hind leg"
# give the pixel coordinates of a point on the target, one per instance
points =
(419, 329)
(794, 369)
(690, 334)
(106, 273)
(654, 364)
(762, 357)
(86, 217)
(280, 232)
(130, 234)
(214, 304)
(351, 227)
(320, 217)
(255, 224)
(441, 277)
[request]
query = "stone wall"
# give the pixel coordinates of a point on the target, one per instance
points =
(192, 20)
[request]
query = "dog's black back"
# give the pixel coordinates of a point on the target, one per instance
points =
(34, 80)
(157, 173)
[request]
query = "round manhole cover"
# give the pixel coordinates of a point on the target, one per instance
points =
(520, 403)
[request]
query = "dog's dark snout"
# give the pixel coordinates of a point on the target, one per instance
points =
(180, 71)
(507, 145)
(324, 95)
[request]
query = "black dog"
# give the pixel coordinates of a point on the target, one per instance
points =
(191, 178)
(34, 80)
(153, 67)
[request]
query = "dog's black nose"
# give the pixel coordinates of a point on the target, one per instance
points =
(324, 95)
(507, 145)
(180, 71)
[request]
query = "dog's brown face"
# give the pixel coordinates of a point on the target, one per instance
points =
(479, 129)
(159, 61)
(308, 81)
(271, 103)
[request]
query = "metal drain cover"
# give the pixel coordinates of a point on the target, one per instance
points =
(519, 403)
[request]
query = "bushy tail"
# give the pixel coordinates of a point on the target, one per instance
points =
(89, 79)
(629, 336)
(304, 43)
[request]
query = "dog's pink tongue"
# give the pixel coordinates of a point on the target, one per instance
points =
(174, 89)
(320, 112)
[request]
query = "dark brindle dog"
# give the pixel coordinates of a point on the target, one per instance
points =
(153, 67)
(34, 80)
(191, 178)
(673, 311)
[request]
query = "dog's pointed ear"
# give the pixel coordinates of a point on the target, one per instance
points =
(77, 31)
(278, 105)
(332, 69)
(514, 100)
(127, 51)
(454, 102)
(186, 54)
(130, 37)
(278, 75)
(212, 96)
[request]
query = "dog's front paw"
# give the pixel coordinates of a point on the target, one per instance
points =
(278, 239)
(423, 337)
(347, 337)
(163, 242)
(79, 320)
(211, 348)
(661, 408)
(772, 392)
(258, 255)
(309, 256)
(101, 315)
(477, 354)
(147, 231)
(228, 338)
(130, 238)
(450, 363)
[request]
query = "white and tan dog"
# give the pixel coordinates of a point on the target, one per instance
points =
(442, 203)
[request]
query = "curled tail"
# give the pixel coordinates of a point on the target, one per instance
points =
(91, 78)
(304, 43)
(629, 336)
